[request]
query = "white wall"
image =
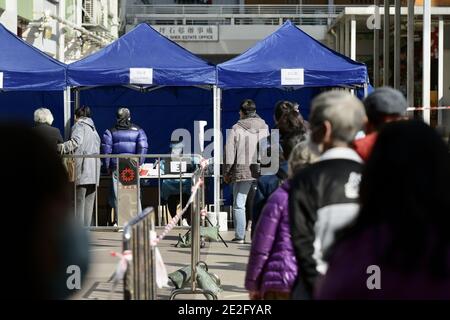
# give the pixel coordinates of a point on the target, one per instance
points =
(235, 39)
(33, 36)
(9, 17)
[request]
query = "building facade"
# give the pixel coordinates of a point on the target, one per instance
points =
(65, 29)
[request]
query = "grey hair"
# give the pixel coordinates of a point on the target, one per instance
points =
(43, 115)
(301, 156)
(344, 111)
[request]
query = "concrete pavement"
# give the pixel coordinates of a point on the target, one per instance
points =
(228, 263)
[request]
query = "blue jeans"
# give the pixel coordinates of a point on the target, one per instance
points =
(240, 192)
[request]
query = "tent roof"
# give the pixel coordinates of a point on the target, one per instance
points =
(290, 48)
(24, 67)
(142, 47)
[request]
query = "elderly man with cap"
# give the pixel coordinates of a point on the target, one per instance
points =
(382, 106)
(124, 138)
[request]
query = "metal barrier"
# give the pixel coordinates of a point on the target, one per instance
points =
(198, 206)
(159, 177)
(233, 14)
(139, 282)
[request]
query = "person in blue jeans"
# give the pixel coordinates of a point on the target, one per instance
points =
(241, 160)
(124, 138)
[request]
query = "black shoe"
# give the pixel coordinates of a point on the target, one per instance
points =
(239, 241)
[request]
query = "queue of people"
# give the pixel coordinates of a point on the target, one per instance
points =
(350, 206)
(337, 207)
(124, 137)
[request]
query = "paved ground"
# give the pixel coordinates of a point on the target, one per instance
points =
(228, 263)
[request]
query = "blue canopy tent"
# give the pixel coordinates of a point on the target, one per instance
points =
(287, 60)
(267, 64)
(142, 60)
(144, 71)
(25, 68)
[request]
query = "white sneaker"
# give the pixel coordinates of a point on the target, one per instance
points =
(184, 223)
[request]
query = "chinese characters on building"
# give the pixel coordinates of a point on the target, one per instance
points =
(189, 33)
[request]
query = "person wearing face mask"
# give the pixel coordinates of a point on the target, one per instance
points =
(324, 197)
(383, 105)
(43, 240)
(124, 138)
(85, 141)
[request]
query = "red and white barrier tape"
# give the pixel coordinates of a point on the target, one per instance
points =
(161, 273)
(122, 265)
(173, 223)
(430, 108)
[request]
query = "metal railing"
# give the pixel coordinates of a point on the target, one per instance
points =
(139, 282)
(161, 219)
(234, 9)
(233, 14)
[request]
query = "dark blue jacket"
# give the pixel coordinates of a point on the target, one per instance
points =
(123, 141)
(265, 187)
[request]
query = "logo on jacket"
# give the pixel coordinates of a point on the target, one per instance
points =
(352, 185)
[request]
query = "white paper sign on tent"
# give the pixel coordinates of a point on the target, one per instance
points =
(1, 80)
(141, 76)
(292, 77)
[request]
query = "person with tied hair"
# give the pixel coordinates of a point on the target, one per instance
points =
(324, 196)
(124, 137)
(43, 120)
(292, 131)
(84, 141)
(242, 160)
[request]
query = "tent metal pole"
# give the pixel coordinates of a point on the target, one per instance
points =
(353, 38)
(410, 55)
(376, 47)
(386, 45)
(440, 68)
(217, 148)
(366, 91)
(77, 99)
(426, 60)
(67, 115)
(397, 44)
(347, 36)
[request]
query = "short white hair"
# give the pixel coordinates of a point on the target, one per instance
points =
(43, 115)
(344, 111)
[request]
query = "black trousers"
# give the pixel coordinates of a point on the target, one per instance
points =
(250, 200)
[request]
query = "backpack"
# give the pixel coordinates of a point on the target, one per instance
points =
(282, 176)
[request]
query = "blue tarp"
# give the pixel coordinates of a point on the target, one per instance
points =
(143, 47)
(290, 48)
(158, 112)
(26, 68)
(19, 106)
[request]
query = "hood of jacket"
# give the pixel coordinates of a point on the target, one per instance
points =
(252, 124)
(87, 121)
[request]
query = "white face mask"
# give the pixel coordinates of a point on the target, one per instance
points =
(360, 135)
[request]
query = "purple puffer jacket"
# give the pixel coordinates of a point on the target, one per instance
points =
(272, 265)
